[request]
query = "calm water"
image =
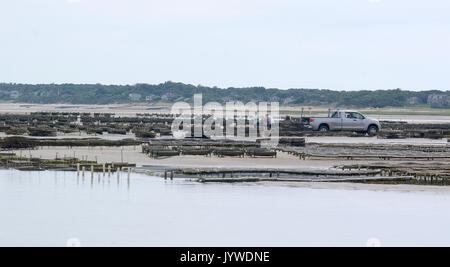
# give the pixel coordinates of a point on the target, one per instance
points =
(48, 208)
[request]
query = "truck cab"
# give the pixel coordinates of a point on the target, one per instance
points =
(347, 120)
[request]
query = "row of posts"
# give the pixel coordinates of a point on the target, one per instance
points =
(167, 173)
(83, 171)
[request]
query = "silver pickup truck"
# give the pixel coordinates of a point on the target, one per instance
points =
(346, 120)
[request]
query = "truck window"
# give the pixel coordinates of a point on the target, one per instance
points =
(336, 115)
(354, 115)
(358, 116)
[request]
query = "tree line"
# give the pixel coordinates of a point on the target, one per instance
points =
(172, 92)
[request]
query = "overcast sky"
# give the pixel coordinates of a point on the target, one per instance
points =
(335, 44)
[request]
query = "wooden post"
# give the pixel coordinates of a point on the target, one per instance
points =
(104, 169)
(118, 173)
(78, 169)
(83, 170)
(92, 171)
(109, 171)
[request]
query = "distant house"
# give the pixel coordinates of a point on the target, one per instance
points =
(438, 99)
(135, 97)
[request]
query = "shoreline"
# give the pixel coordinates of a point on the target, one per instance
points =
(133, 154)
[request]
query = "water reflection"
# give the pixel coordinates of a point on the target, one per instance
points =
(63, 178)
(49, 208)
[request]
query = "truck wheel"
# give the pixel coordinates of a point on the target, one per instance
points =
(324, 128)
(373, 130)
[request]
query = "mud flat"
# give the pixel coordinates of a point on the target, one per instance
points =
(392, 164)
(324, 162)
(151, 125)
(134, 154)
(119, 109)
(144, 139)
(370, 152)
(396, 114)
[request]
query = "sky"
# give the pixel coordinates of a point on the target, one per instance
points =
(333, 44)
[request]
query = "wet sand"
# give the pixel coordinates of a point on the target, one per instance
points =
(133, 154)
(118, 109)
